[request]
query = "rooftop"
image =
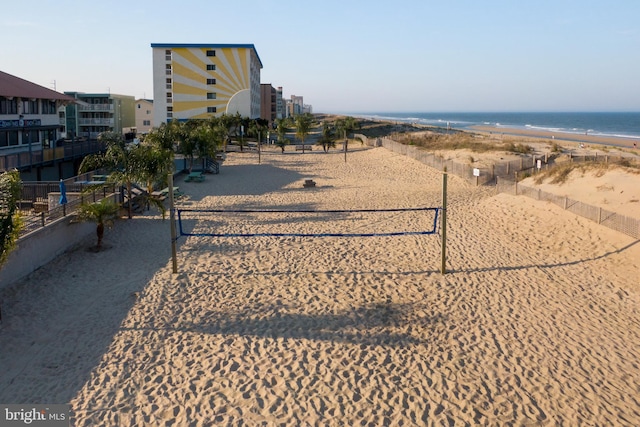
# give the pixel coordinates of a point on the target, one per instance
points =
(209, 45)
(12, 86)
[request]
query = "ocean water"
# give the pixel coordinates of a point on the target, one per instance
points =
(619, 125)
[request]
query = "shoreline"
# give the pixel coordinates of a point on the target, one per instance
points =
(559, 136)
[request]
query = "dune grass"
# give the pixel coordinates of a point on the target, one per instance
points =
(463, 141)
(560, 173)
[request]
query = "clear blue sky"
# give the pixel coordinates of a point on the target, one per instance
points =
(350, 55)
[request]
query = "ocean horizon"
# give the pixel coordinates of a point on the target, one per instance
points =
(624, 125)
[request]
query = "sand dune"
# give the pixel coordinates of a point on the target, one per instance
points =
(537, 322)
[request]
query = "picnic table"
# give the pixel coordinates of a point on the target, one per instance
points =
(164, 193)
(195, 176)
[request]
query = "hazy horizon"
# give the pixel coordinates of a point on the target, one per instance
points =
(493, 56)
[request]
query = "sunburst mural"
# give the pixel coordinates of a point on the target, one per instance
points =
(197, 81)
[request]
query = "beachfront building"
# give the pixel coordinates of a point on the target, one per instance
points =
(267, 102)
(295, 106)
(197, 81)
(28, 115)
(30, 131)
(96, 113)
(280, 105)
(144, 115)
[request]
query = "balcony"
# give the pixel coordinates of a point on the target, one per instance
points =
(97, 122)
(96, 107)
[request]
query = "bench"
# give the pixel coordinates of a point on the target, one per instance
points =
(306, 148)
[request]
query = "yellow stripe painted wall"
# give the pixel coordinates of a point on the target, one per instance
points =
(190, 72)
(188, 83)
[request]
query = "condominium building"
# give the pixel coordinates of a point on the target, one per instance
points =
(144, 115)
(197, 81)
(267, 102)
(98, 112)
(280, 104)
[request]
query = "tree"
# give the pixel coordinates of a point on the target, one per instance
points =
(102, 213)
(303, 126)
(127, 164)
(348, 124)
(282, 127)
(328, 138)
(10, 220)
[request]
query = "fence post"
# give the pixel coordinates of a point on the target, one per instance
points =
(42, 218)
(599, 215)
(564, 206)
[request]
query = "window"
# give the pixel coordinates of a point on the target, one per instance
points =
(30, 137)
(30, 106)
(211, 67)
(48, 107)
(211, 109)
(8, 138)
(167, 55)
(211, 95)
(211, 81)
(167, 52)
(146, 123)
(169, 108)
(139, 106)
(211, 53)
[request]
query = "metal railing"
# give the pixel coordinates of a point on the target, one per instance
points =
(34, 220)
(68, 151)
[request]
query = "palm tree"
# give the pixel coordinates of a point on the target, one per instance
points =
(102, 213)
(10, 220)
(345, 125)
(282, 127)
(127, 163)
(303, 126)
(328, 138)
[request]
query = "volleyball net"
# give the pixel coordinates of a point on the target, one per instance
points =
(307, 222)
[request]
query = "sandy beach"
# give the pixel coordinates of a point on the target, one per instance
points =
(561, 136)
(536, 323)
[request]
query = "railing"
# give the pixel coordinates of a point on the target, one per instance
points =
(96, 107)
(69, 151)
(35, 220)
(103, 122)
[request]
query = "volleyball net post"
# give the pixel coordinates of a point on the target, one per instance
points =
(443, 220)
(172, 220)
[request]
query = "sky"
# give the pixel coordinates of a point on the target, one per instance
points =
(350, 56)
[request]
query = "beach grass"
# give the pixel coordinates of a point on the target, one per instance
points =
(560, 173)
